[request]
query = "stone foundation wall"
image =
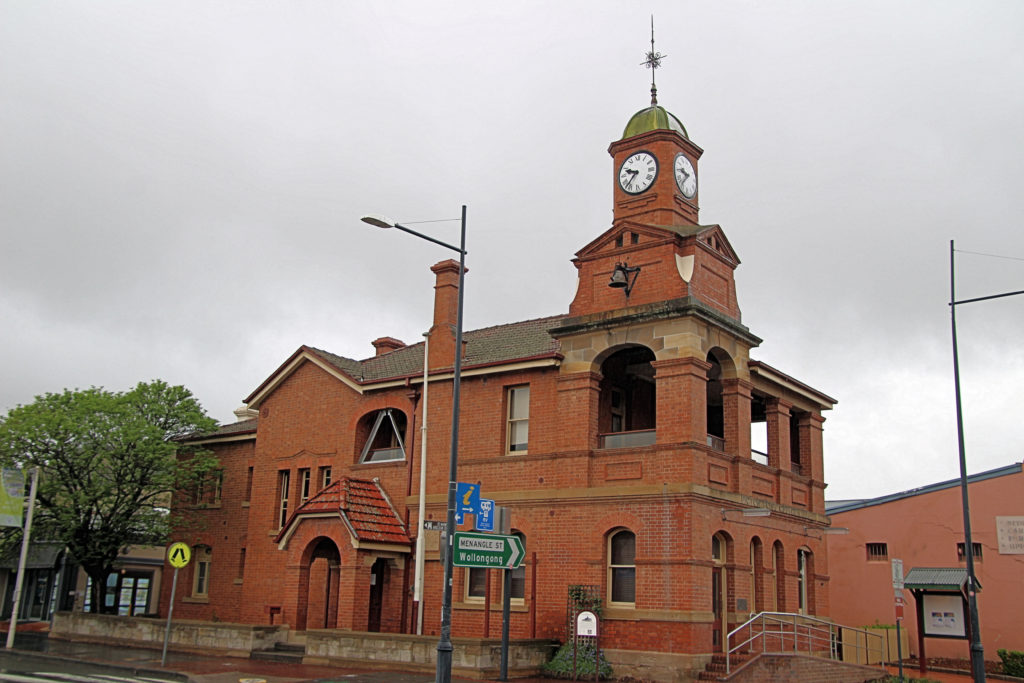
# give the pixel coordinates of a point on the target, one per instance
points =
(477, 658)
(655, 666)
(233, 640)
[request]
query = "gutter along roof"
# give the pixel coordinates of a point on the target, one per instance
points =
(490, 346)
(836, 507)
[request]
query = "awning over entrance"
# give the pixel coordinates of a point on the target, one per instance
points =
(41, 555)
(362, 506)
(937, 579)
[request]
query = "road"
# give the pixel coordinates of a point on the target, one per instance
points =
(16, 668)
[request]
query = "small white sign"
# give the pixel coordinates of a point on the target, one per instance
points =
(586, 624)
(897, 574)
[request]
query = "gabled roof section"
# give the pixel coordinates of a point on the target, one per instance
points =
(605, 242)
(711, 236)
(361, 505)
(491, 346)
(233, 431)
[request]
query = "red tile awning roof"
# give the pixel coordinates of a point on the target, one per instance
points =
(361, 505)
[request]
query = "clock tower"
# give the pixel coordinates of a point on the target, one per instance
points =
(656, 256)
(655, 167)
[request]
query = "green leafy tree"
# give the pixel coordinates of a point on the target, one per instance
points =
(108, 465)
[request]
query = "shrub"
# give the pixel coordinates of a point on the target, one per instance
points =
(1013, 662)
(560, 665)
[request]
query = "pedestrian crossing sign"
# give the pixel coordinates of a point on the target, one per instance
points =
(179, 554)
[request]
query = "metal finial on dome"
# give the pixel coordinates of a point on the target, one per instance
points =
(652, 62)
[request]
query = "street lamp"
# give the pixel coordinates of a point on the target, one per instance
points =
(444, 645)
(977, 651)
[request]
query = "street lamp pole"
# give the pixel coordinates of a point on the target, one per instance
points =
(977, 651)
(444, 645)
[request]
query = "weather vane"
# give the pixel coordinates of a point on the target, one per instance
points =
(652, 62)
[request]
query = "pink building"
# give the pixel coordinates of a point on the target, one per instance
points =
(923, 527)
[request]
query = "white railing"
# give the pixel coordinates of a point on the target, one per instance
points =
(783, 632)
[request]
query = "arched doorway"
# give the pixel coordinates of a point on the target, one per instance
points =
(628, 398)
(378, 578)
(318, 586)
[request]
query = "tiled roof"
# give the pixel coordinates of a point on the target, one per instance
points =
(498, 344)
(936, 578)
(235, 428)
(361, 504)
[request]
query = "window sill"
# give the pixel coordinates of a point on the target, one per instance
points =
(196, 600)
(478, 605)
(245, 503)
(238, 582)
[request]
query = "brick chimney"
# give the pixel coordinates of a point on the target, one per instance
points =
(387, 344)
(446, 310)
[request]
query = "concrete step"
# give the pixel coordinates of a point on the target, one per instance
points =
(282, 652)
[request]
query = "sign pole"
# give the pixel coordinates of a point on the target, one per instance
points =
(506, 609)
(178, 555)
(899, 647)
(170, 612)
(18, 582)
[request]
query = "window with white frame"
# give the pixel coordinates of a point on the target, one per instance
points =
(518, 419)
(325, 477)
(305, 483)
(284, 478)
(622, 567)
(201, 573)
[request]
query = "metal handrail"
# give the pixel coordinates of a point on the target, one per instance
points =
(806, 633)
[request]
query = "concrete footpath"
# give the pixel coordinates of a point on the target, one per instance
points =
(42, 652)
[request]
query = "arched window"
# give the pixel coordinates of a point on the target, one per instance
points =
(622, 567)
(805, 575)
(756, 576)
(714, 405)
(779, 569)
(719, 591)
(385, 436)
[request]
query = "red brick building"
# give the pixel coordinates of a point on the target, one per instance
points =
(618, 435)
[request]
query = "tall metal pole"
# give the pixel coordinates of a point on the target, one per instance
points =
(977, 652)
(19, 581)
(417, 594)
(444, 645)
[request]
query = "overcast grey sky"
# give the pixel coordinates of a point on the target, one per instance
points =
(181, 183)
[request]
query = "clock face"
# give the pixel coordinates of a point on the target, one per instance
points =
(686, 177)
(637, 172)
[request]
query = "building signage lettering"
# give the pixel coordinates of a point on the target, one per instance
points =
(1010, 531)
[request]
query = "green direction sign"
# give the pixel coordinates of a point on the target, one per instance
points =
(487, 550)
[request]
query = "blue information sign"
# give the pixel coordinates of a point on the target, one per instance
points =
(467, 499)
(485, 517)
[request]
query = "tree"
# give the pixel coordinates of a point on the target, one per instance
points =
(108, 466)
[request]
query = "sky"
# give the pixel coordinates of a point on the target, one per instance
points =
(181, 185)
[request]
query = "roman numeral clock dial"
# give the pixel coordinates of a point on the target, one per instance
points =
(638, 172)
